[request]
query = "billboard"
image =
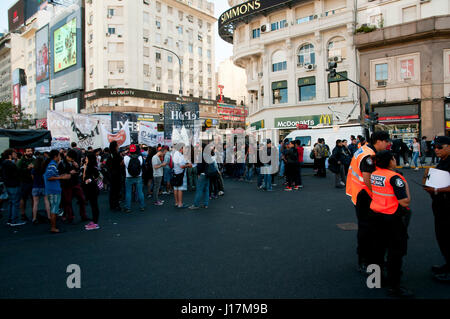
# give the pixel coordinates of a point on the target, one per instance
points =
(16, 95)
(33, 6)
(42, 67)
(178, 115)
(16, 15)
(42, 99)
(66, 46)
(65, 49)
(67, 106)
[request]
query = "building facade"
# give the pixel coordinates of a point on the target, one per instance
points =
(132, 46)
(5, 69)
(405, 63)
(285, 47)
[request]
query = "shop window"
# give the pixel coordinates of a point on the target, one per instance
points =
(279, 92)
(306, 55)
(307, 88)
(337, 86)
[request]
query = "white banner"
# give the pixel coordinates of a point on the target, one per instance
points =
(80, 128)
(149, 135)
(122, 137)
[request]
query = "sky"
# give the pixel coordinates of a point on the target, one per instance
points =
(223, 49)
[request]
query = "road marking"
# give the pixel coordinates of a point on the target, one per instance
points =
(347, 226)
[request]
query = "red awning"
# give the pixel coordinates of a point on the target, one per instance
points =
(399, 119)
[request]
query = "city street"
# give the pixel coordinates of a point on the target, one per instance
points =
(247, 244)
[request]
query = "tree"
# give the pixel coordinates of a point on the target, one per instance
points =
(9, 118)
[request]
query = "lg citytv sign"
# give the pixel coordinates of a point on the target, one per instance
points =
(16, 15)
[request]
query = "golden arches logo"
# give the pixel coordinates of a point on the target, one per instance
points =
(325, 119)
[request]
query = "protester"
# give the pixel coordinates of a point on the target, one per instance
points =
(179, 180)
(11, 179)
(291, 160)
(90, 185)
(114, 167)
(52, 179)
(300, 152)
(38, 189)
(416, 153)
(353, 147)
(168, 171)
(320, 155)
(202, 191)
(158, 174)
(423, 150)
(133, 168)
(337, 160)
(348, 156)
(266, 169)
(191, 172)
(148, 173)
(71, 188)
(25, 165)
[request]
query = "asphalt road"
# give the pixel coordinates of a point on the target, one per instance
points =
(247, 244)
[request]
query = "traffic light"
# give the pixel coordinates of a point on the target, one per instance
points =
(373, 117)
(332, 69)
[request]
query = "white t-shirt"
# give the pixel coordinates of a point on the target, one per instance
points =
(157, 172)
(178, 161)
(126, 161)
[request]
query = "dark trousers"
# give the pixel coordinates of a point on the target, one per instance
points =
(214, 185)
(68, 193)
(363, 214)
(299, 174)
(114, 192)
(93, 201)
(291, 170)
(442, 225)
(321, 171)
(390, 235)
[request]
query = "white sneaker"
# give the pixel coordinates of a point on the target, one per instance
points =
(416, 169)
(221, 193)
(342, 183)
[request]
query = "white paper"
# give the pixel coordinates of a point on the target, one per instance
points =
(437, 178)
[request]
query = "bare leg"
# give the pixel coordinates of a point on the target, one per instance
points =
(53, 223)
(35, 206)
(47, 207)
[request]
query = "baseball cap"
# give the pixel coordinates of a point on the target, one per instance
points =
(132, 148)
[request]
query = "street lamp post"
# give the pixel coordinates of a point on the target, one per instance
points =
(179, 62)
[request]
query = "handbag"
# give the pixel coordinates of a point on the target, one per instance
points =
(177, 179)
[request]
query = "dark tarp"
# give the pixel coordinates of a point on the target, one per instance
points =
(27, 138)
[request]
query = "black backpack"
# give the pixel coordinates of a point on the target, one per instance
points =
(134, 166)
(211, 170)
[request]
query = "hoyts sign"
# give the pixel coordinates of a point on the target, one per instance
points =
(16, 15)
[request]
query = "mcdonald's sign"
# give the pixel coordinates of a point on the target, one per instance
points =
(326, 119)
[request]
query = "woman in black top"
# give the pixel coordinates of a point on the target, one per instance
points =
(90, 176)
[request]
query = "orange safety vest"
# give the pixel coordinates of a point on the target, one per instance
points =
(384, 200)
(355, 181)
(359, 145)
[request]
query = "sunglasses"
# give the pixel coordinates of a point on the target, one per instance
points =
(439, 146)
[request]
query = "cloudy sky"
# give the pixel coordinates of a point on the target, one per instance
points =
(223, 49)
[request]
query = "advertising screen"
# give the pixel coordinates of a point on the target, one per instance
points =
(42, 67)
(42, 99)
(68, 106)
(16, 95)
(65, 46)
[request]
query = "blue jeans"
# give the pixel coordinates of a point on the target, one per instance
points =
(415, 157)
(202, 191)
(249, 173)
(267, 182)
(129, 182)
(281, 168)
(259, 176)
(14, 196)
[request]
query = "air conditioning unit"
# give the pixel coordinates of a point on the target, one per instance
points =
(309, 67)
(111, 72)
(381, 84)
(146, 2)
(286, 24)
(335, 58)
(119, 35)
(265, 28)
(121, 70)
(146, 73)
(108, 34)
(200, 38)
(145, 39)
(260, 74)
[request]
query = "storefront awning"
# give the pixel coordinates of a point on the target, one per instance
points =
(399, 119)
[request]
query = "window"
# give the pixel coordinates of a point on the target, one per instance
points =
(305, 19)
(306, 55)
(209, 68)
(208, 54)
(169, 58)
(146, 52)
(169, 10)
(180, 15)
(381, 72)
(191, 78)
(158, 38)
(407, 69)
(180, 45)
(170, 74)
(209, 39)
(191, 48)
(146, 69)
(337, 86)
(279, 92)
(279, 61)
(409, 14)
(278, 25)
(200, 23)
(147, 86)
(146, 17)
(158, 6)
(256, 33)
(158, 73)
(158, 24)
(111, 30)
(158, 56)
(307, 88)
(280, 66)
(110, 13)
(337, 48)
(180, 29)
(170, 41)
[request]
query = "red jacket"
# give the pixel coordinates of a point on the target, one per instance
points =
(300, 154)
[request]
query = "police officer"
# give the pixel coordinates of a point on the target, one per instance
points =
(359, 188)
(440, 204)
(389, 220)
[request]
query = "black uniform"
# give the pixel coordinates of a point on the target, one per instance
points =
(441, 206)
(363, 214)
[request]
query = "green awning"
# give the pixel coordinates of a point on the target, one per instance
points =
(307, 81)
(279, 85)
(338, 77)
